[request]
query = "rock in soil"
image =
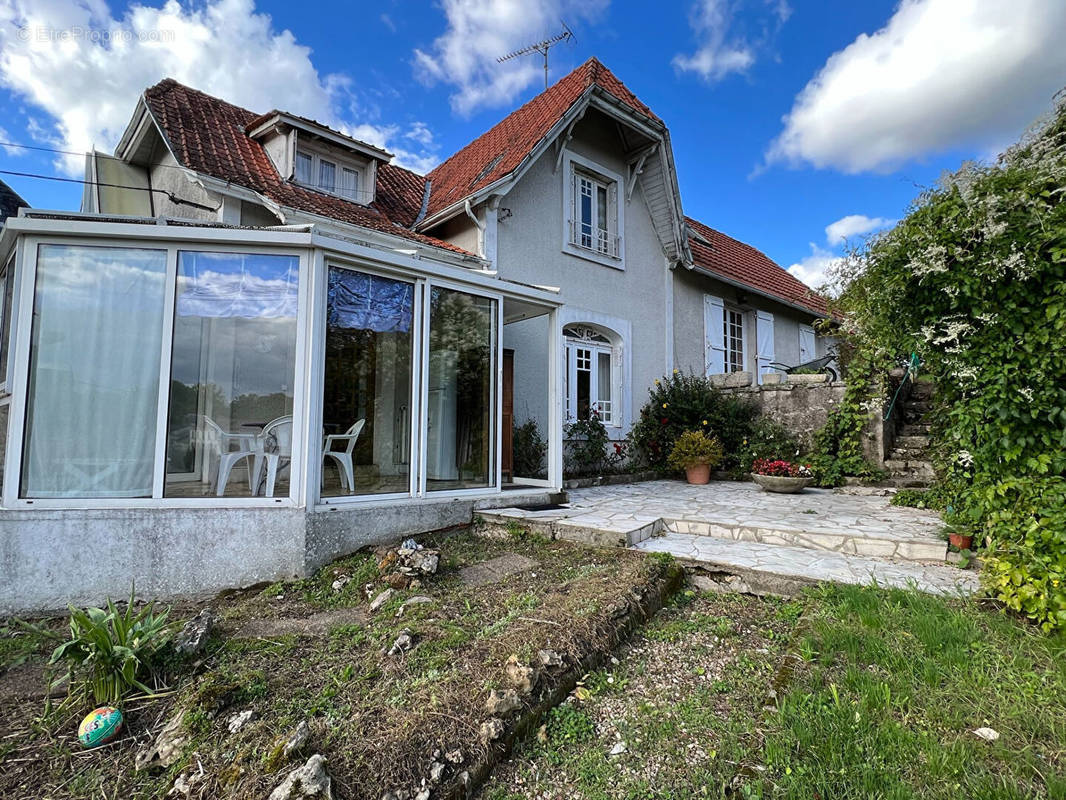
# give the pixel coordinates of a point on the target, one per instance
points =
(397, 580)
(381, 600)
(238, 721)
(193, 636)
(167, 747)
(297, 739)
(520, 676)
(988, 734)
(491, 730)
(549, 659)
(436, 771)
(310, 780)
(403, 643)
(502, 703)
(454, 756)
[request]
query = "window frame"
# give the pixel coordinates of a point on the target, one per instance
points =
(8, 320)
(576, 168)
(21, 358)
(574, 343)
(740, 324)
(339, 164)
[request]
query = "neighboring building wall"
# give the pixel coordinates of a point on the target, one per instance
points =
(164, 176)
(689, 289)
(632, 302)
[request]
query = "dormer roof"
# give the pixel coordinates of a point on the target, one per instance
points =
(274, 120)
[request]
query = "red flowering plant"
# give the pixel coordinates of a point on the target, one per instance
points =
(780, 468)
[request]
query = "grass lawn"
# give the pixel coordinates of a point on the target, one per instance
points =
(880, 702)
(303, 650)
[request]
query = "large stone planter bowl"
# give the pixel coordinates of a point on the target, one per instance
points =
(781, 484)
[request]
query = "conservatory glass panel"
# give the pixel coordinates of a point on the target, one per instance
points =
(93, 387)
(232, 374)
(366, 402)
(461, 435)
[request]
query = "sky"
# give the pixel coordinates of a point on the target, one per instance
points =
(798, 126)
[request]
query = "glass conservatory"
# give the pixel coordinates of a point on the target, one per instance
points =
(153, 365)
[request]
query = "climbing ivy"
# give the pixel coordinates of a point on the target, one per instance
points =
(974, 281)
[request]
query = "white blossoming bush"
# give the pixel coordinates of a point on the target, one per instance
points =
(974, 281)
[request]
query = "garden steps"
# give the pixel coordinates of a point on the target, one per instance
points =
(774, 569)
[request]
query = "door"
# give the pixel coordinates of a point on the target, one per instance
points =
(507, 454)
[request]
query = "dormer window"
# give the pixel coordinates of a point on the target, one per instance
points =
(593, 221)
(326, 175)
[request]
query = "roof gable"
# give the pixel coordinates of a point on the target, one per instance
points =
(501, 149)
(726, 257)
(208, 135)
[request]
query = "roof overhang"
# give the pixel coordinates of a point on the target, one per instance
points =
(747, 287)
(280, 121)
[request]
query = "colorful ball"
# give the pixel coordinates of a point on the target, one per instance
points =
(100, 726)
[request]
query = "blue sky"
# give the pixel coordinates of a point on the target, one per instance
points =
(786, 117)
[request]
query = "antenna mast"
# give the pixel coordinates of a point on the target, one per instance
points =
(542, 48)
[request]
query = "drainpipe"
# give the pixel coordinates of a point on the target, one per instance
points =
(477, 224)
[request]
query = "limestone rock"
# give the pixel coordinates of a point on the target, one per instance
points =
(381, 600)
(341, 582)
(404, 642)
(193, 636)
(167, 747)
(502, 703)
(417, 600)
(185, 783)
(988, 734)
(422, 795)
(520, 676)
(238, 721)
(436, 771)
(492, 729)
(297, 739)
(310, 780)
(549, 659)
(454, 756)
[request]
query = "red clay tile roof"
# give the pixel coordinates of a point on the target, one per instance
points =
(500, 150)
(732, 259)
(208, 135)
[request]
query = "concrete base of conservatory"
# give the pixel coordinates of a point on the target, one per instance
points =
(49, 558)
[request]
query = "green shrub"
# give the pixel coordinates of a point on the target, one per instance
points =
(589, 449)
(530, 450)
(686, 402)
(693, 449)
(973, 280)
(768, 439)
(109, 652)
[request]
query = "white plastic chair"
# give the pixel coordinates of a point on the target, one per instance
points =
(344, 457)
(276, 444)
(219, 444)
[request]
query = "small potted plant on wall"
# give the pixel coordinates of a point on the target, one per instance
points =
(777, 475)
(696, 454)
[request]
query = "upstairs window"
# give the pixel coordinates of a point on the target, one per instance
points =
(593, 226)
(326, 175)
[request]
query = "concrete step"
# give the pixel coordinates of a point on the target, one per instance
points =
(922, 390)
(776, 569)
(913, 441)
(917, 429)
(903, 482)
(909, 467)
(909, 455)
(863, 540)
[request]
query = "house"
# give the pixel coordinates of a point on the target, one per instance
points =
(262, 345)
(10, 202)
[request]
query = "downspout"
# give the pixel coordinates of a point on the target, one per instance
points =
(477, 224)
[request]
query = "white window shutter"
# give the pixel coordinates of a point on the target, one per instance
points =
(764, 336)
(807, 344)
(713, 334)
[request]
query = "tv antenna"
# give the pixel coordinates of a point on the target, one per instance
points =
(542, 48)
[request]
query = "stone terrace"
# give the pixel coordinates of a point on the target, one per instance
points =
(738, 529)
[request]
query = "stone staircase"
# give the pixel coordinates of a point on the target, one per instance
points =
(908, 464)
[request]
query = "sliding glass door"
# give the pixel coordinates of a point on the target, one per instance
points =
(461, 391)
(367, 384)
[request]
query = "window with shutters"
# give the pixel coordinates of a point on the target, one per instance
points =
(733, 333)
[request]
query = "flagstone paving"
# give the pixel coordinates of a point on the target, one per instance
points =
(817, 534)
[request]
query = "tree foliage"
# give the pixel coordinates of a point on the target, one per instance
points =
(974, 281)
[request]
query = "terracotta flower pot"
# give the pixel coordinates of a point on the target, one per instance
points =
(960, 541)
(698, 474)
(780, 483)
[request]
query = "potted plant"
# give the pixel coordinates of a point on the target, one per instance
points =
(777, 475)
(958, 535)
(696, 453)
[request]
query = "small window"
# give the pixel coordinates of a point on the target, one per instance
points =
(304, 167)
(327, 175)
(349, 184)
(594, 225)
(733, 330)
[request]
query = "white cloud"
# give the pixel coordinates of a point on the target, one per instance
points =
(85, 68)
(940, 74)
(814, 269)
(479, 32)
(836, 233)
(718, 55)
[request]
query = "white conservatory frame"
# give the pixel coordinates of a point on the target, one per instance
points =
(317, 251)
